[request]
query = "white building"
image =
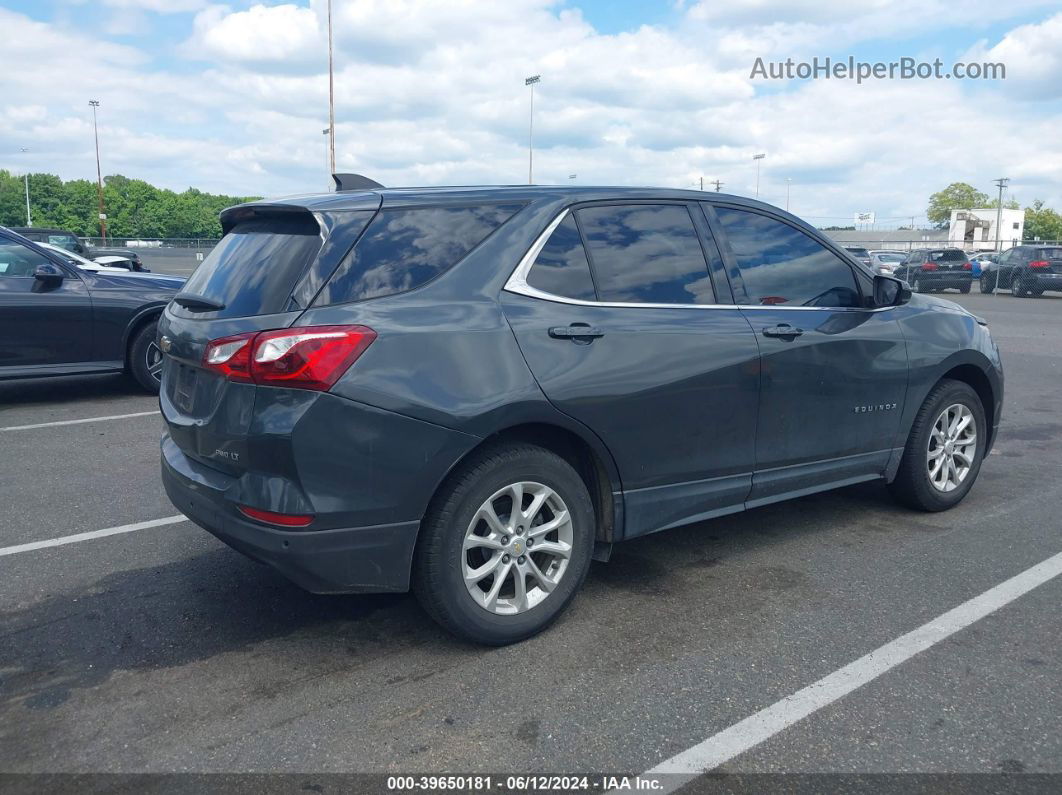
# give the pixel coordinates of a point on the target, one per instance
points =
(976, 229)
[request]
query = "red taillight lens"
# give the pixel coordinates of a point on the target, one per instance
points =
(281, 519)
(311, 357)
(230, 356)
(967, 266)
(929, 266)
(1040, 263)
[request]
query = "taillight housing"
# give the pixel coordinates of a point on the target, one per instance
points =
(1040, 263)
(929, 266)
(308, 357)
(278, 519)
(967, 266)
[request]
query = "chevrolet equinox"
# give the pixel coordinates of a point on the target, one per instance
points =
(471, 392)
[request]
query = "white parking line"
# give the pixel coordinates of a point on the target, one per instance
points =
(77, 422)
(107, 531)
(766, 723)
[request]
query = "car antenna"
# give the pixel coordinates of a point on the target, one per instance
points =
(346, 182)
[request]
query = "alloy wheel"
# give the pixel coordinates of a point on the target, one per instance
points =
(153, 361)
(517, 548)
(952, 447)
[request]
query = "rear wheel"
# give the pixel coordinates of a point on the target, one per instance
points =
(988, 284)
(944, 450)
(1017, 285)
(966, 287)
(505, 546)
(145, 358)
(916, 285)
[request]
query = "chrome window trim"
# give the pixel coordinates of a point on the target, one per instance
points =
(517, 283)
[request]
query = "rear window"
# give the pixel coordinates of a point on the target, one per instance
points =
(947, 255)
(405, 248)
(859, 252)
(1049, 253)
(254, 268)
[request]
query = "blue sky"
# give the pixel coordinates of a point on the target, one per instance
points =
(232, 97)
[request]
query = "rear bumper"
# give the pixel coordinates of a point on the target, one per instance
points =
(1046, 281)
(944, 279)
(343, 560)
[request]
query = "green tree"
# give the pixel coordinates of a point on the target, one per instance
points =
(1042, 223)
(957, 196)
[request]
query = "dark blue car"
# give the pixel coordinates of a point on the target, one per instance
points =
(474, 391)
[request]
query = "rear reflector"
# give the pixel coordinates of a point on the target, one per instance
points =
(310, 357)
(280, 519)
(1040, 263)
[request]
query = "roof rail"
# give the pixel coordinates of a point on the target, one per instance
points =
(346, 182)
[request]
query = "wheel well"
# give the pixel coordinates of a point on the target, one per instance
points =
(139, 323)
(975, 378)
(573, 449)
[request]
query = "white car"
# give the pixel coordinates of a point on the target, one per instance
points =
(885, 261)
(99, 265)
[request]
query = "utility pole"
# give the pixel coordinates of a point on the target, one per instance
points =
(331, 98)
(530, 81)
(717, 183)
(1002, 183)
(95, 103)
(702, 183)
(29, 221)
(758, 158)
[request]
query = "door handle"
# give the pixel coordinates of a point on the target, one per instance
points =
(783, 330)
(576, 332)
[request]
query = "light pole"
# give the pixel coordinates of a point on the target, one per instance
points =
(1002, 183)
(530, 81)
(95, 103)
(29, 221)
(758, 158)
(328, 162)
(788, 182)
(331, 100)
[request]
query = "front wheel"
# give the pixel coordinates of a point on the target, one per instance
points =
(988, 284)
(944, 449)
(145, 358)
(1017, 285)
(505, 545)
(916, 285)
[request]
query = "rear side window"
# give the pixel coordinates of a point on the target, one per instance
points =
(405, 248)
(646, 254)
(253, 269)
(780, 265)
(562, 267)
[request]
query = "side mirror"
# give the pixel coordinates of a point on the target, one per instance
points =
(48, 274)
(890, 291)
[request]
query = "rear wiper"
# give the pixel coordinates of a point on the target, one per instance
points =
(194, 302)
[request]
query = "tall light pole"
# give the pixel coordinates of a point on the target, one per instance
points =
(1002, 183)
(29, 221)
(95, 103)
(331, 99)
(328, 162)
(530, 81)
(788, 182)
(758, 158)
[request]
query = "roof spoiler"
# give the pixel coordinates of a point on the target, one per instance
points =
(354, 182)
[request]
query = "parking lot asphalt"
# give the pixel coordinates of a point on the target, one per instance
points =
(163, 650)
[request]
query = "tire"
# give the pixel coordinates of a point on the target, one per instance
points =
(987, 284)
(916, 285)
(145, 358)
(1017, 285)
(914, 485)
(966, 288)
(442, 560)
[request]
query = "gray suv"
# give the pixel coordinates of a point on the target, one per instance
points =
(474, 391)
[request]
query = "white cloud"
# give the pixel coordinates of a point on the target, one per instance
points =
(259, 34)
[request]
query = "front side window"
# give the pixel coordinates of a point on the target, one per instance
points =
(17, 260)
(782, 266)
(646, 253)
(407, 247)
(562, 267)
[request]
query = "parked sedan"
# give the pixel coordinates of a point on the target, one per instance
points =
(930, 270)
(860, 253)
(1026, 270)
(98, 265)
(123, 257)
(57, 318)
(475, 391)
(886, 262)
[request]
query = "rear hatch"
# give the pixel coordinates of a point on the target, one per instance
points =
(1052, 256)
(257, 278)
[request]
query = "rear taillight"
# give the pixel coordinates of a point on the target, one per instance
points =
(279, 519)
(929, 266)
(1040, 263)
(311, 357)
(967, 266)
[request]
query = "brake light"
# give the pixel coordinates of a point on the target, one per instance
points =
(280, 519)
(1040, 263)
(311, 357)
(967, 266)
(929, 266)
(230, 356)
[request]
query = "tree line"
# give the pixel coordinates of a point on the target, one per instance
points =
(1041, 222)
(134, 208)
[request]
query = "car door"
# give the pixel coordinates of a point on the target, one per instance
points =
(43, 323)
(617, 316)
(833, 372)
